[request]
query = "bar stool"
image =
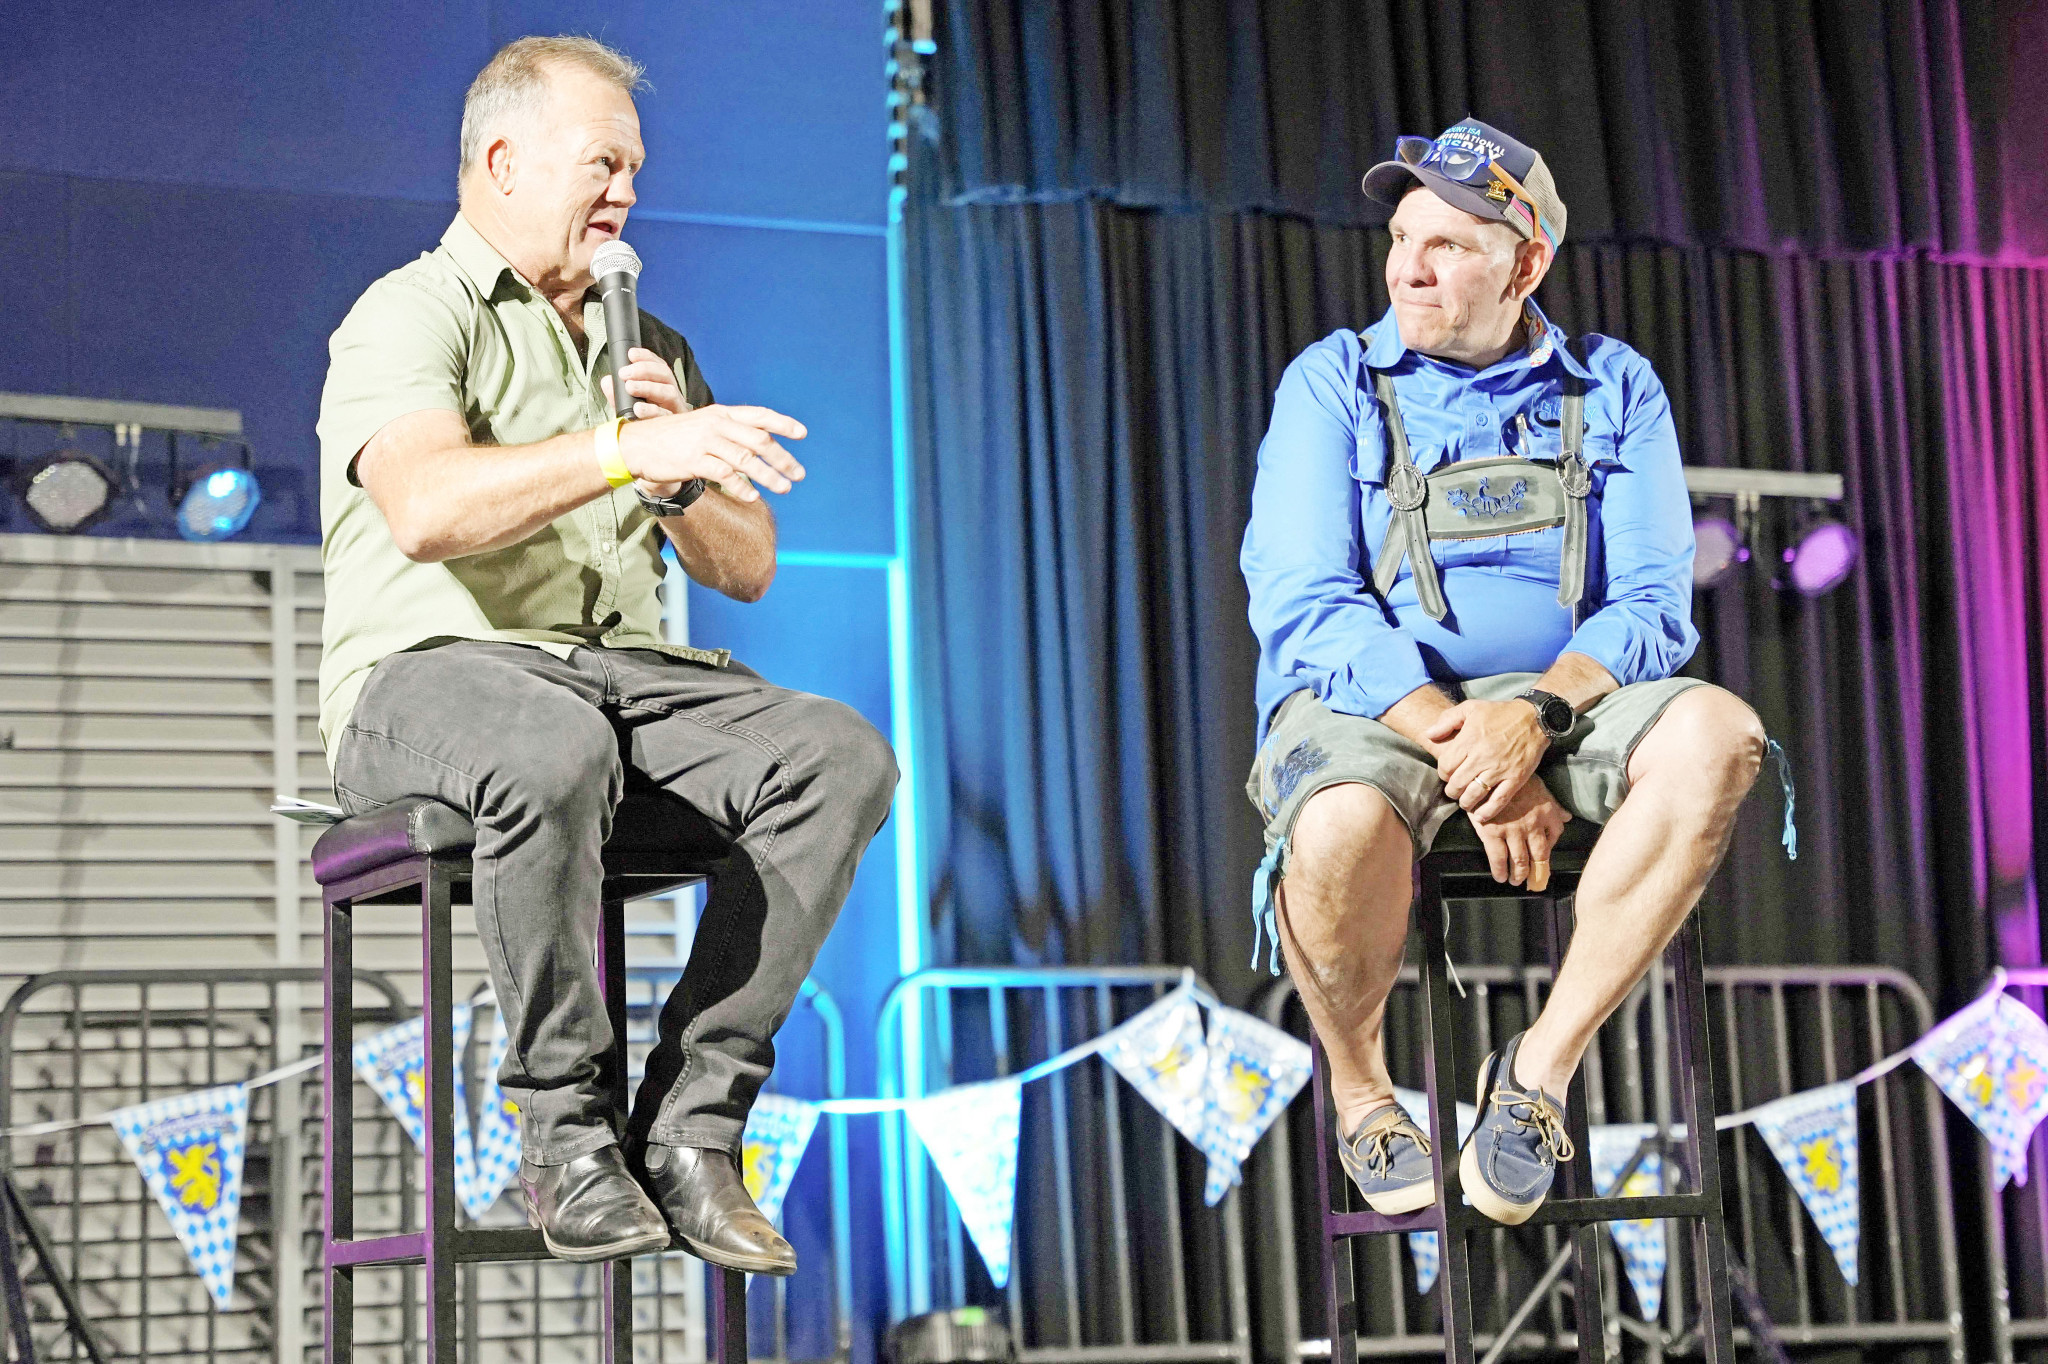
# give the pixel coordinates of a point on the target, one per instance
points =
(418, 849)
(1456, 866)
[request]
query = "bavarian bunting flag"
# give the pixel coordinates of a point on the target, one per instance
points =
(1162, 1053)
(1255, 1070)
(497, 1131)
(1813, 1135)
(971, 1134)
(394, 1063)
(777, 1132)
(189, 1150)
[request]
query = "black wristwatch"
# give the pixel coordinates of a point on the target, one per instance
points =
(1554, 713)
(671, 506)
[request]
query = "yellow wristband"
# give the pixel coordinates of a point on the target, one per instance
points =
(608, 458)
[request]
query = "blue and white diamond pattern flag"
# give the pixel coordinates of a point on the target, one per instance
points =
(777, 1132)
(1644, 1251)
(971, 1133)
(190, 1152)
(394, 1063)
(1813, 1135)
(2022, 1057)
(1422, 1245)
(1162, 1053)
(1983, 1058)
(1255, 1070)
(497, 1131)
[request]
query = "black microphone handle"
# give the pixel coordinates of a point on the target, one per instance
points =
(622, 333)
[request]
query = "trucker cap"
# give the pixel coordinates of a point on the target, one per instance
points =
(1476, 167)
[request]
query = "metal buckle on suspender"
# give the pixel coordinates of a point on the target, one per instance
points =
(1407, 490)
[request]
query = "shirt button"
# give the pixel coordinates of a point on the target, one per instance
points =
(1483, 420)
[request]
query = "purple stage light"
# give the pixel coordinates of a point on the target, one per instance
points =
(1823, 558)
(1718, 549)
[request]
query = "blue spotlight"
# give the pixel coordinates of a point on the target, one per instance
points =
(217, 500)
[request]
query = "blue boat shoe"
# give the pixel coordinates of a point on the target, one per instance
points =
(1516, 1146)
(1388, 1159)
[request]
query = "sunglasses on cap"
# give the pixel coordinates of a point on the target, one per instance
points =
(1477, 170)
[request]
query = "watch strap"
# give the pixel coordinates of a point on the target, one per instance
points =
(1545, 703)
(671, 506)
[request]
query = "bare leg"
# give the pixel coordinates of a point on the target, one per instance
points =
(1687, 778)
(1343, 911)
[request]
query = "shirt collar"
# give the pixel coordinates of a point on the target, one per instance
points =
(476, 257)
(1546, 338)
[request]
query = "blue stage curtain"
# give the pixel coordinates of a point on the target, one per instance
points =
(1829, 125)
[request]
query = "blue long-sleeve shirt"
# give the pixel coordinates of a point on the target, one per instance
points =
(1320, 513)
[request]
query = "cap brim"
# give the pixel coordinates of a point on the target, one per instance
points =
(1389, 180)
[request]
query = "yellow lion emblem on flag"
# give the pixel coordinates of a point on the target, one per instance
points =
(1823, 1164)
(195, 1174)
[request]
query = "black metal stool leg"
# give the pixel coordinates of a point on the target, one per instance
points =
(1339, 1286)
(338, 1141)
(616, 1277)
(1588, 1296)
(437, 1013)
(728, 1316)
(1702, 1145)
(1454, 1279)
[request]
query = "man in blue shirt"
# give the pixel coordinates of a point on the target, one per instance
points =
(1470, 562)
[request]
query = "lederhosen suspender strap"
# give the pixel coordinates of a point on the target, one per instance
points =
(1408, 490)
(1578, 482)
(1408, 532)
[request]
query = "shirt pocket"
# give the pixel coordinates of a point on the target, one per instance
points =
(1369, 485)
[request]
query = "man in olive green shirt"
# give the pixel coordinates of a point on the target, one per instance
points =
(493, 548)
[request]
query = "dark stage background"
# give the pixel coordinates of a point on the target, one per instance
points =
(1822, 222)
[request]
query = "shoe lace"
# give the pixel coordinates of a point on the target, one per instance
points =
(1543, 1119)
(1375, 1145)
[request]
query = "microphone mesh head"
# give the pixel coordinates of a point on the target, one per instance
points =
(613, 257)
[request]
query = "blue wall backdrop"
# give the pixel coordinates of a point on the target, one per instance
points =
(192, 195)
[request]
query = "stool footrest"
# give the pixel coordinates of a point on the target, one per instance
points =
(1558, 1212)
(469, 1246)
(1572, 1212)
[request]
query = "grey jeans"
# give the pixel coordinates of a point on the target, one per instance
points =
(538, 751)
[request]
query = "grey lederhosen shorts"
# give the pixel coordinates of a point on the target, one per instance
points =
(1310, 747)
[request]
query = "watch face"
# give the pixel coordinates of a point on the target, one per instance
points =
(1558, 715)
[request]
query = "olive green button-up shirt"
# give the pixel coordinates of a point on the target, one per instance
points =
(458, 330)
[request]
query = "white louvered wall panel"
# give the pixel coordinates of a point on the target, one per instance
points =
(153, 695)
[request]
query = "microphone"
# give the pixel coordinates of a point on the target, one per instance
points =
(617, 267)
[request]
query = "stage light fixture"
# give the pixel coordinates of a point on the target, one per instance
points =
(67, 492)
(216, 498)
(1718, 550)
(1822, 559)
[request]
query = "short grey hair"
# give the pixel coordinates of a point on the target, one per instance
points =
(515, 81)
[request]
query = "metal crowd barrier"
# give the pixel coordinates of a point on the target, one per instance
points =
(1776, 1030)
(77, 1043)
(1103, 1181)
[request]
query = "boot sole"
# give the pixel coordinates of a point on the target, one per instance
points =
(646, 1244)
(725, 1259)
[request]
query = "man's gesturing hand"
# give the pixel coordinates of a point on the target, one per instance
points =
(651, 383)
(1519, 840)
(1486, 753)
(734, 447)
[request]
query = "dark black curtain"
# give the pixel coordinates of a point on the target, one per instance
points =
(1870, 125)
